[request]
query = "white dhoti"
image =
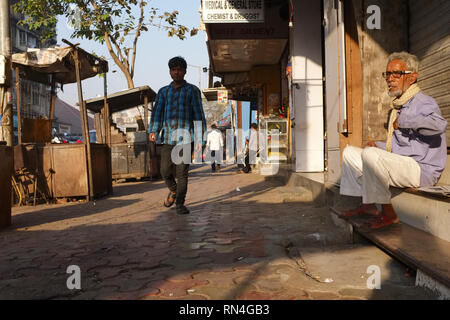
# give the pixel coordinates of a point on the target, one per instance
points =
(369, 172)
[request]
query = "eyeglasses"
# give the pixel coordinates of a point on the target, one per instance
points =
(395, 74)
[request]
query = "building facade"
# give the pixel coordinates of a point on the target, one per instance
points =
(318, 65)
(35, 97)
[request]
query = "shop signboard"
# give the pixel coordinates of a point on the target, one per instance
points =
(233, 11)
(222, 96)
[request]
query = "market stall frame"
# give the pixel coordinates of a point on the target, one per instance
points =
(130, 159)
(63, 65)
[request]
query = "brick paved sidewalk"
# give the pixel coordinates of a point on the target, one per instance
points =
(242, 240)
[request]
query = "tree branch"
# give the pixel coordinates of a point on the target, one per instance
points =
(119, 51)
(138, 33)
(119, 63)
(118, 57)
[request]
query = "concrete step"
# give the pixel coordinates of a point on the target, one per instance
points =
(421, 251)
(424, 212)
(313, 182)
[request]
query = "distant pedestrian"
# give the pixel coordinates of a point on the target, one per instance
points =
(214, 143)
(254, 147)
(177, 106)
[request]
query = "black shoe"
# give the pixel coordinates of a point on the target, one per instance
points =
(181, 209)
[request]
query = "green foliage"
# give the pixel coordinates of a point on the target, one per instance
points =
(102, 20)
(115, 17)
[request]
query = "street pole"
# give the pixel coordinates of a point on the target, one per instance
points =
(107, 133)
(210, 78)
(5, 72)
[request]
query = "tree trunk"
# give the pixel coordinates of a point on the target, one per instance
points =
(119, 63)
(130, 81)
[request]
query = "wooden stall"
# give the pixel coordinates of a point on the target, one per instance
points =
(132, 155)
(59, 170)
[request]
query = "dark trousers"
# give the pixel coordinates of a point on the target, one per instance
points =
(174, 175)
(253, 155)
(213, 162)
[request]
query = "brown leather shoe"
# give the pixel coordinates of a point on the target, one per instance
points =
(170, 200)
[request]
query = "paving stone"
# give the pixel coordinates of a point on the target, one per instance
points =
(353, 292)
(318, 295)
(186, 264)
(100, 293)
(141, 294)
(177, 275)
(130, 284)
(195, 253)
(177, 289)
(214, 292)
(221, 279)
(272, 284)
(221, 248)
(104, 273)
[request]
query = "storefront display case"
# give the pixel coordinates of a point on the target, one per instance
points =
(276, 139)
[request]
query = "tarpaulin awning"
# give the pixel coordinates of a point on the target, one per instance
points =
(37, 64)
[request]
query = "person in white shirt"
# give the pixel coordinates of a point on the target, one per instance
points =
(214, 144)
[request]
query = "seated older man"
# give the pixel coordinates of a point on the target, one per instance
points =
(413, 155)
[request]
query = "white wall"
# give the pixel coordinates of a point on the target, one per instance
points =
(307, 91)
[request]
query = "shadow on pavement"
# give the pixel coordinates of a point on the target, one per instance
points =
(65, 212)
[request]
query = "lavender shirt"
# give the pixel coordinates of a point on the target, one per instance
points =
(421, 136)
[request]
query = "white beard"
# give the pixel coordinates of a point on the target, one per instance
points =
(395, 94)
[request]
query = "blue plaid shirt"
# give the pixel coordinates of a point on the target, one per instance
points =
(175, 109)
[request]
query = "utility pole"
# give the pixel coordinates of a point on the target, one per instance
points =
(6, 128)
(210, 78)
(5, 72)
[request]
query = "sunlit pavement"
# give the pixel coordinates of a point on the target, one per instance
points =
(242, 240)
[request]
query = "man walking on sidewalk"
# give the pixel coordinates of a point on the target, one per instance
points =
(413, 155)
(214, 143)
(177, 109)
